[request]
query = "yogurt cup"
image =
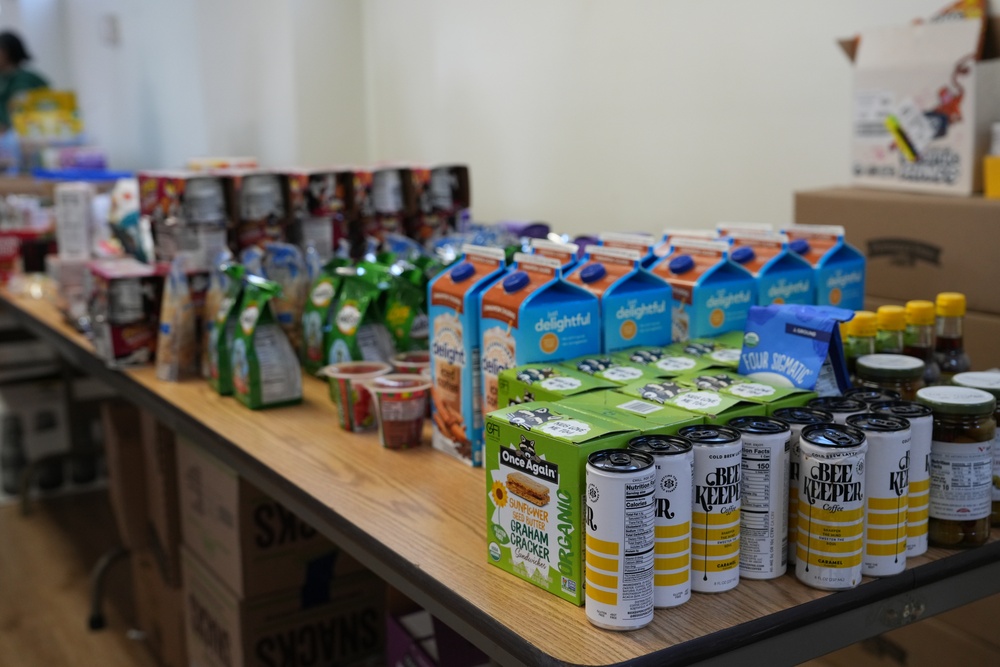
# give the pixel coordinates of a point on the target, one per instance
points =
(350, 394)
(400, 401)
(418, 361)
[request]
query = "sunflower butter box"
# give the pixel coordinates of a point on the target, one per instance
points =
(536, 458)
(544, 382)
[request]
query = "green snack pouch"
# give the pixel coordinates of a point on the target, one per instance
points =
(315, 316)
(220, 337)
(358, 331)
(266, 371)
(406, 311)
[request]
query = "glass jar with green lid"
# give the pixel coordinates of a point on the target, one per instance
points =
(961, 465)
(988, 382)
(895, 372)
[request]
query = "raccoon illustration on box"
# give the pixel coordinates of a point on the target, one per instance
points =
(591, 366)
(699, 349)
(527, 419)
(533, 375)
(646, 356)
(714, 382)
(661, 392)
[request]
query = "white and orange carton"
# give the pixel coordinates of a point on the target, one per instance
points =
(456, 402)
(839, 268)
(534, 315)
(782, 275)
(644, 244)
(565, 253)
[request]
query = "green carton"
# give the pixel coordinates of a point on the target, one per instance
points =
(662, 362)
(536, 457)
(717, 408)
(648, 417)
(544, 382)
(610, 368)
(721, 351)
(745, 389)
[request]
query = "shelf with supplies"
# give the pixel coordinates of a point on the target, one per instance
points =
(416, 518)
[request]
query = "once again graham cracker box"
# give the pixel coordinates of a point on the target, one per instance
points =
(536, 457)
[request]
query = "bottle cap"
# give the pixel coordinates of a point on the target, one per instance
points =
(950, 304)
(681, 264)
(920, 313)
(891, 318)
(864, 324)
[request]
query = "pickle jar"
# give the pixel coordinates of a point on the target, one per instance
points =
(988, 382)
(961, 465)
(893, 372)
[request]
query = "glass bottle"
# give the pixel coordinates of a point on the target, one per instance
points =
(891, 322)
(989, 382)
(861, 333)
(918, 339)
(949, 350)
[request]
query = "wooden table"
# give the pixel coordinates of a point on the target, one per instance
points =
(417, 519)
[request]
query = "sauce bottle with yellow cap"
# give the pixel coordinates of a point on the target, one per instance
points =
(891, 322)
(918, 339)
(861, 334)
(949, 349)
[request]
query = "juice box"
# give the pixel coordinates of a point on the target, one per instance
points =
(456, 403)
(644, 244)
(545, 382)
(747, 389)
(648, 417)
(564, 253)
(782, 275)
(721, 351)
(613, 369)
(839, 267)
(661, 362)
(533, 315)
(635, 304)
(536, 457)
(712, 294)
(717, 408)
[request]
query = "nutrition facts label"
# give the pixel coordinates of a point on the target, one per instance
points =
(637, 580)
(280, 379)
(961, 480)
(764, 487)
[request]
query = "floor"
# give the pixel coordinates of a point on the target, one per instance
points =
(45, 560)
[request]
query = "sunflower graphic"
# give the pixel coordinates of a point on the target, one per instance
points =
(499, 493)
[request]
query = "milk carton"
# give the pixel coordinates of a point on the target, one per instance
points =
(782, 275)
(711, 294)
(839, 268)
(663, 248)
(635, 305)
(641, 243)
(456, 403)
(533, 315)
(564, 253)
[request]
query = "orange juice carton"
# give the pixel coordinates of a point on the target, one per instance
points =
(635, 304)
(644, 244)
(456, 396)
(534, 315)
(782, 275)
(565, 253)
(711, 293)
(839, 268)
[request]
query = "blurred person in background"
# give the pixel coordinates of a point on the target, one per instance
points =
(14, 78)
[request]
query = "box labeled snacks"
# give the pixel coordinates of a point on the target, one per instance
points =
(456, 395)
(536, 456)
(746, 389)
(648, 417)
(545, 382)
(839, 267)
(782, 276)
(717, 408)
(635, 304)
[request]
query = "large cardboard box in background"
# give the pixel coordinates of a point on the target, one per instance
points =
(126, 480)
(342, 623)
(923, 106)
(159, 609)
(916, 245)
(159, 450)
(249, 540)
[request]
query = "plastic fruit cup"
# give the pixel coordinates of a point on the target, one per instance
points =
(401, 405)
(350, 394)
(413, 362)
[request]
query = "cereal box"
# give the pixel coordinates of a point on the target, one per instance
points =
(839, 268)
(717, 408)
(648, 417)
(635, 304)
(661, 362)
(782, 276)
(533, 315)
(711, 293)
(456, 402)
(746, 389)
(536, 456)
(613, 369)
(544, 382)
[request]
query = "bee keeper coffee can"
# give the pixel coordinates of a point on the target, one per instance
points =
(715, 516)
(674, 460)
(841, 408)
(887, 484)
(620, 534)
(797, 419)
(921, 420)
(831, 506)
(763, 496)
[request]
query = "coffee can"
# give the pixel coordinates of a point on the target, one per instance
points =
(763, 496)
(871, 395)
(921, 420)
(887, 487)
(797, 419)
(715, 515)
(620, 534)
(674, 460)
(831, 506)
(841, 408)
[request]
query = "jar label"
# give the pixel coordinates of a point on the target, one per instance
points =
(961, 480)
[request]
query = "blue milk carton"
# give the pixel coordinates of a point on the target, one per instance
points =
(565, 253)
(635, 304)
(782, 275)
(454, 297)
(533, 315)
(711, 293)
(839, 268)
(641, 243)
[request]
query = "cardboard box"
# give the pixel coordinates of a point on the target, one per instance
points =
(544, 382)
(923, 106)
(121, 423)
(746, 389)
(125, 310)
(613, 369)
(252, 543)
(916, 245)
(341, 622)
(929, 643)
(647, 417)
(159, 609)
(159, 450)
(716, 408)
(417, 639)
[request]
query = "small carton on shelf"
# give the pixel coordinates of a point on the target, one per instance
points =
(660, 362)
(606, 367)
(782, 276)
(318, 207)
(839, 267)
(544, 382)
(565, 253)
(125, 310)
(717, 408)
(536, 456)
(648, 417)
(746, 389)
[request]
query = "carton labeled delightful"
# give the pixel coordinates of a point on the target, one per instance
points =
(456, 404)
(839, 268)
(644, 244)
(533, 315)
(564, 253)
(536, 457)
(635, 304)
(782, 276)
